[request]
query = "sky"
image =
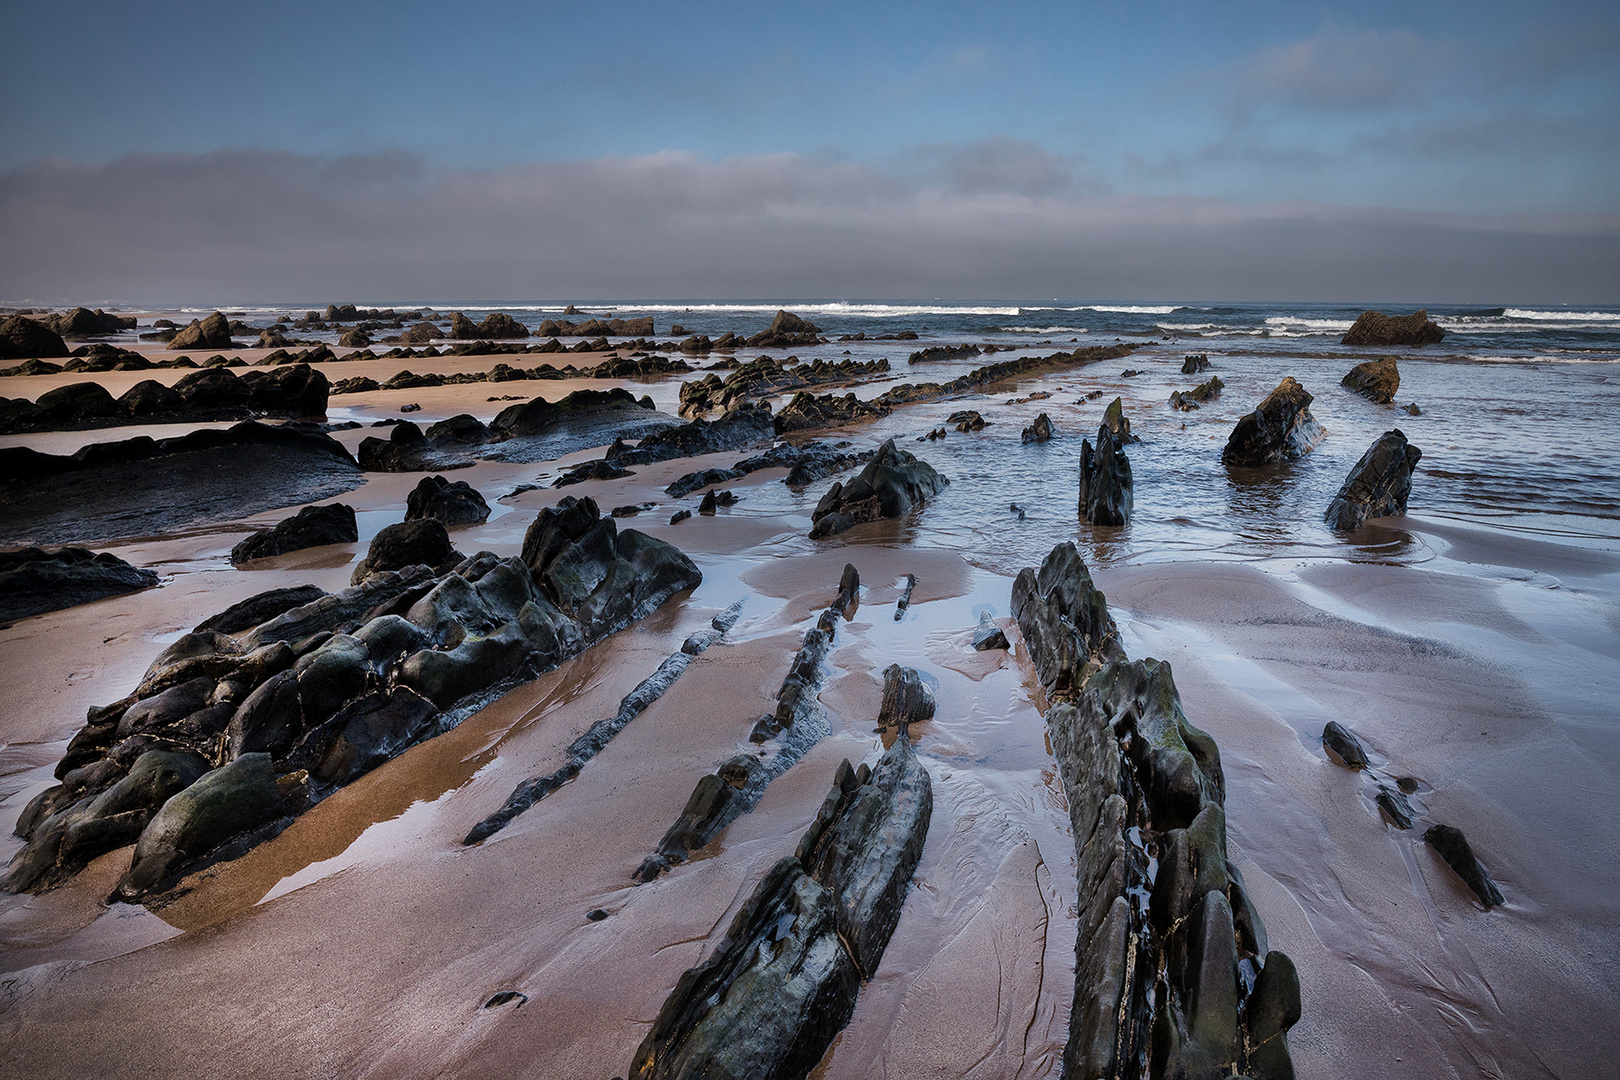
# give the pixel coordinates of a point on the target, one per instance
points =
(201, 153)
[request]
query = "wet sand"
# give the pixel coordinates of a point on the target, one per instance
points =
(364, 939)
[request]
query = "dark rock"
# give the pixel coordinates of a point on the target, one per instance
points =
(679, 516)
(420, 334)
(150, 398)
(354, 339)
(599, 469)
(966, 421)
(1194, 364)
(22, 338)
(1280, 429)
(807, 411)
(423, 542)
(786, 331)
(904, 602)
(32, 367)
(452, 502)
(695, 481)
(988, 635)
(1411, 409)
(1106, 487)
(1396, 809)
(312, 526)
(1202, 394)
(942, 352)
(539, 416)
(1342, 746)
(1040, 430)
(1376, 328)
(373, 729)
(463, 427)
(260, 608)
(82, 322)
(1453, 847)
(1378, 486)
(1115, 420)
(33, 581)
(212, 388)
(1064, 620)
(1376, 380)
(893, 483)
(74, 402)
(213, 332)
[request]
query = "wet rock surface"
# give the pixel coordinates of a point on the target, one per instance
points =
(230, 734)
(1039, 431)
(893, 483)
(1168, 938)
(33, 581)
(991, 374)
(312, 526)
(807, 412)
(1107, 491)
(1202, 394)
(1343, 746)
(1280, 429)
(1376, 380)
(453, 502)
(1378, 485)
(1194, 364)
(214, 393)
(419, 542)
(1452, 846)
(1376, 328)
(765, 377)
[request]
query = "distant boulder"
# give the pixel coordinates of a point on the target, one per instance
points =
(354, 339)
(1040, 430)
(1376, 380)
(786, 330)
(82, 322)
(495, 326)
(421, 334)
(1376, 328)
(213, 332)
(1379, 484)
(22, 338)
(1280, 429)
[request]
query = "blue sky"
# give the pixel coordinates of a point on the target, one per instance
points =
(1251, 129)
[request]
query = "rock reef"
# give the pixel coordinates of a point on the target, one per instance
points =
(893, 483)
(33, 581)
(1376, 328)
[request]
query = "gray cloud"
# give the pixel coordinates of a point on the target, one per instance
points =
(240, 226)
(1341, 70)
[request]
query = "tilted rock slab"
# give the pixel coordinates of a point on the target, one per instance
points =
(1378, 486)
(893, 483)
(1376, 380)
(1281, 428)
(327, 691)
(1162, 959)
(33, 581)
(1107, 491)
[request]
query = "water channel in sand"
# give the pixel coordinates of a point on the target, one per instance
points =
(1471, 646)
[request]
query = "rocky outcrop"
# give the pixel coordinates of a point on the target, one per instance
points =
(786, 331)
(1378, 486)
(229, 735)
(642, 327)
(764, 377)
(738, 428)
(421, 334)
(1280, 429)
(451, 502)
(1376, 380)
(214, 393)
(408, 449)
(599, 469)
(1450, 844)
(1040, 431)
(312, 526)
(259, 608)
(990, 374)
(942, 352)
(33, 581)
(82, 323)
(785, 979)
(496, 326)
(1343, 746)
(1202, 394)
(1168, 939)
(22, 338)
(213, 332)
(1194, 364)
(1106, 489)
(893, 483)
(1376, 328)
(423, 542)
(807, 412)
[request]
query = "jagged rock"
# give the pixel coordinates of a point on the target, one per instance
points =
(260, 608)
(1378, 486)
(1115, 420)
(1040, 430)
(679, 516)
(1280, 429)
(1344, 747)
(942, 352)
(1375, 380)
(906, 699)
(150, 399)
(1395, 807)
(763, 377)
(1376, 328)
(967, 420)
(22, 338)
(423, 542)
(354, 339)
(1195, 364)
(807, 411)
(495, 326)
(733, 431)
(540, 416)
(82, 322)
(420, 334)
(786, 331)
(1453, 847)
(599, 469)
(1064, 619)
(452, 502)
(893, 483)
(213, 332)
(904, 602)
(988, 635)
(1202, 394)
(312, 526)
(32, 367)
(1106, 488)
(694, 481)
(33, 581)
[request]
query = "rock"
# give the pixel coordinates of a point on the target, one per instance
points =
(1115, 420)
(312, 526)
(463, 427)
(237, 797)
(904, 602)
(1202, 394)
(599, 469)
(1376, 328)
(942, 352)
(1280, 429)
(1064, 619)
(1394, 806)
(988, 635)
(539, 416)
(421, 334)
(1106, 487)
(1195, 364)
(213, 332)
(893, 483)
(260, 608)
(1378, 485)
(22, 338)
(1342, 746)
(966, 421)
(75, 402)
(1411, 409)
(679, 516)
(149, 398)
(82, 322)
(33, 581)
(1040, 430)
(213, 388)
(786, 331)
(1375, 380)
(807, 411)
(354, 339)
(453, 503)
(1453, 847)
(907, 699)
(423, 542)
(696, 481)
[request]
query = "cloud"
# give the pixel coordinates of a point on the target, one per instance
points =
(1353, 70)
(239, 226)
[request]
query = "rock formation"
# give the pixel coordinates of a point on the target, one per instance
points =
(214, 393)
(1379, 484)
(786, 331)
(33, 581)
(312, 526)
(1376, 380)
(1450, 844)
(1040, 430)
(1202, 394)
(893, 483)
(1280, 429)
(22, 338)
(1106, 489)
(213, 332)
(451, 502)
(807, 411)
(1173, 976)
(1376, 328)
(82, 323)
(1194, 364)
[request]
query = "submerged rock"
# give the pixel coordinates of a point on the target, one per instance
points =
(1280, 429)
(1106, 487)
(1376, 380)
(807, 411)
(1194, 364)
(1040, 430)
(1378, 486)
(893, 483)
(33, 581)
(987, 635)
(1376, 328)
(1202, 394)
(312, 526)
